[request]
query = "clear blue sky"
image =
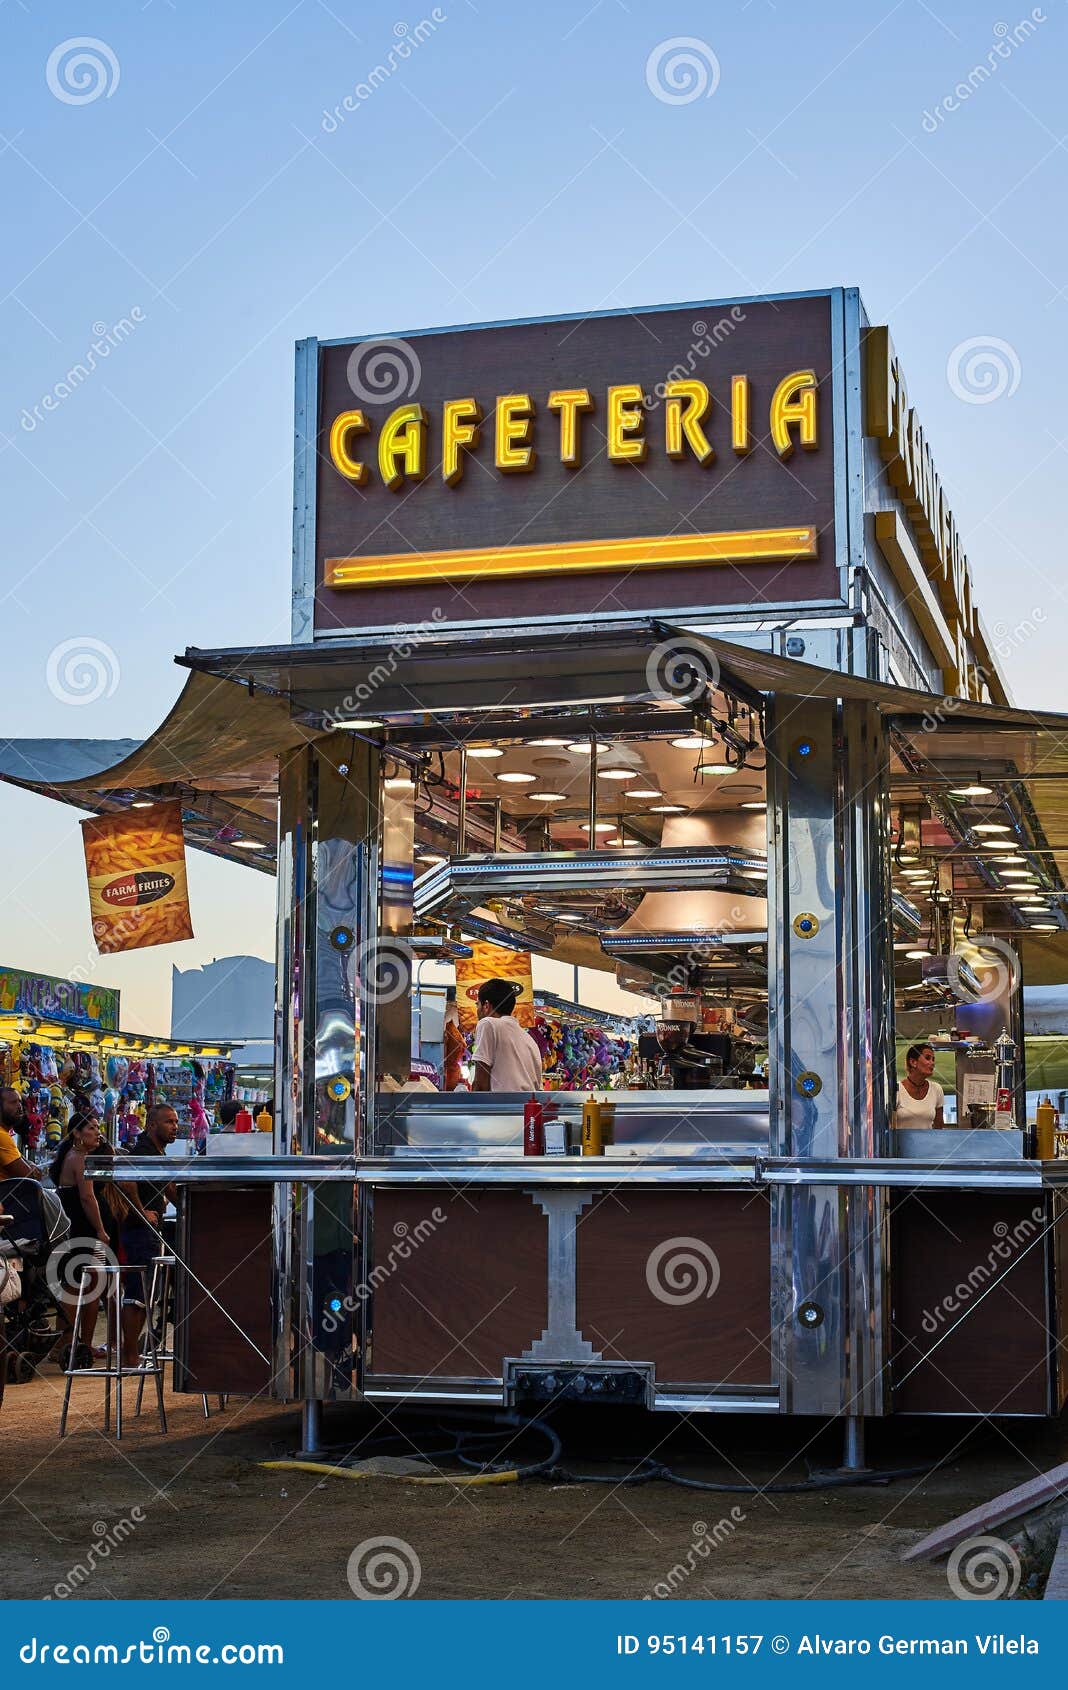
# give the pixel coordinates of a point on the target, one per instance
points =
(517, 162)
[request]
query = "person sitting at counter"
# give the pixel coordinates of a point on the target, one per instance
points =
(505, 1055)
(920, 1098)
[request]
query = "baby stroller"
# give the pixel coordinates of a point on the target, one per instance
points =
(34, 1226)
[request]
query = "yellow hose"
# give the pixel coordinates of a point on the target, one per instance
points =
(506, 1478)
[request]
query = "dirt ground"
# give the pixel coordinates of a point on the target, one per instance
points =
(211, 1522)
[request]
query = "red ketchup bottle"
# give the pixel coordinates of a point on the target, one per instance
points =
(243, 1120)
(533, 1128)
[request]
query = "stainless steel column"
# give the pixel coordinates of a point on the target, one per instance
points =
(329, 824)
(830, 1047)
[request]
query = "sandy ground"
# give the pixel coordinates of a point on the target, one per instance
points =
(211, 1522)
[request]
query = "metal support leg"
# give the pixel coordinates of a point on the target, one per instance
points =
(71, 1358)
(312, 1428)
(853, 1445)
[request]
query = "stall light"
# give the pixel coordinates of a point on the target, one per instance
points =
(645, 792)
(570, 918)
(584, 745)
(618, 774)
(717, 768)
(1000, 845)
(142, 803)
(431, 857)
(564, 742)
(516, 777)
(693, 742)
(991, 827)
(915, 956)
(970, 791)
(547, 797)
(1014, 861)
(906, 857)
(1044, 927)
(755, 804)
(358, 722)
(599, 827)
(484, 751)
(668, 809)
(249, 844)
(1017, 875)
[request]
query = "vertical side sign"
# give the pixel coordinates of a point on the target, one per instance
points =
(135, 864)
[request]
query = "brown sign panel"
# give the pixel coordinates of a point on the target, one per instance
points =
(642, 461)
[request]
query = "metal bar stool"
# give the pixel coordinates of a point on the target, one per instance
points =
(158, 1317)
(113, 1369)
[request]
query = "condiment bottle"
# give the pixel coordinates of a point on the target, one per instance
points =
(533, 1128)
(592, 1138)
(1045, 1116)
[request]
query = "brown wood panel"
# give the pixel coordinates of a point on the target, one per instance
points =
(969, 1322)
(223, 1308)
(470, 1292)
(603, 500)
(681, 1279)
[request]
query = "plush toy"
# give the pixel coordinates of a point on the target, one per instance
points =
(118, 1071)
(198, 1121)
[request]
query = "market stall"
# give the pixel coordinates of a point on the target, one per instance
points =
(674, 673)
(61, 1048)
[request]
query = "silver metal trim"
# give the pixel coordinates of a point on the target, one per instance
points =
(305, 465)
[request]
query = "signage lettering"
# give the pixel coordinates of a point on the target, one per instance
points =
(631, 430)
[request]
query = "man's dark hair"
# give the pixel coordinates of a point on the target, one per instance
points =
(501, 995)
(228, 1111)
(155, 1110)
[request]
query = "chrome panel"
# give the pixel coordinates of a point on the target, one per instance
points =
(642, 1123)
(561, 1340)
(464, 882)
(559, 1171)
(957, 1144)
(717, 1402)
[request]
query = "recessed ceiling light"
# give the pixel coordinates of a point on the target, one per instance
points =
(584, 745)
(1044, 927)
(484, 751)
(1000, 845)
(516, 777)
(1017, 874)
(551, 742)
(906, 857)
(991, 827)
(615, 840)
(645, 792)
(692, 742)
(970, 791)
(599, 827)
(756, 804)
(358, 722)
(668, 809)
(618, 774)
(717, 768)
(916, 955)
(142, 803)
(1014, 859)
(546, 797)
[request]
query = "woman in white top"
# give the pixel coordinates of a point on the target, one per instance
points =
(506, 1056)
(919, 1097)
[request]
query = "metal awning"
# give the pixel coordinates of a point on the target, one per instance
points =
(242, 709)
(217, 750)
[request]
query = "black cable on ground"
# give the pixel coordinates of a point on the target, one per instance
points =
(463, 1444)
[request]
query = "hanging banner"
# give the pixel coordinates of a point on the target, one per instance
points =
(492, 962)
(137, 885)
(71, 1001)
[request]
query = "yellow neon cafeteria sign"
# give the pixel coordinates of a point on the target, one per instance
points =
(401, 454)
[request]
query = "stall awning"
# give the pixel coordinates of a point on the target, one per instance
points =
(217, 751)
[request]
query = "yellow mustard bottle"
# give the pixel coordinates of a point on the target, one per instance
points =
(264, 1121)
(592, 1135)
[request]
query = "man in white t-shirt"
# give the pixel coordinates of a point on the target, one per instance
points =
(506, 1057)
